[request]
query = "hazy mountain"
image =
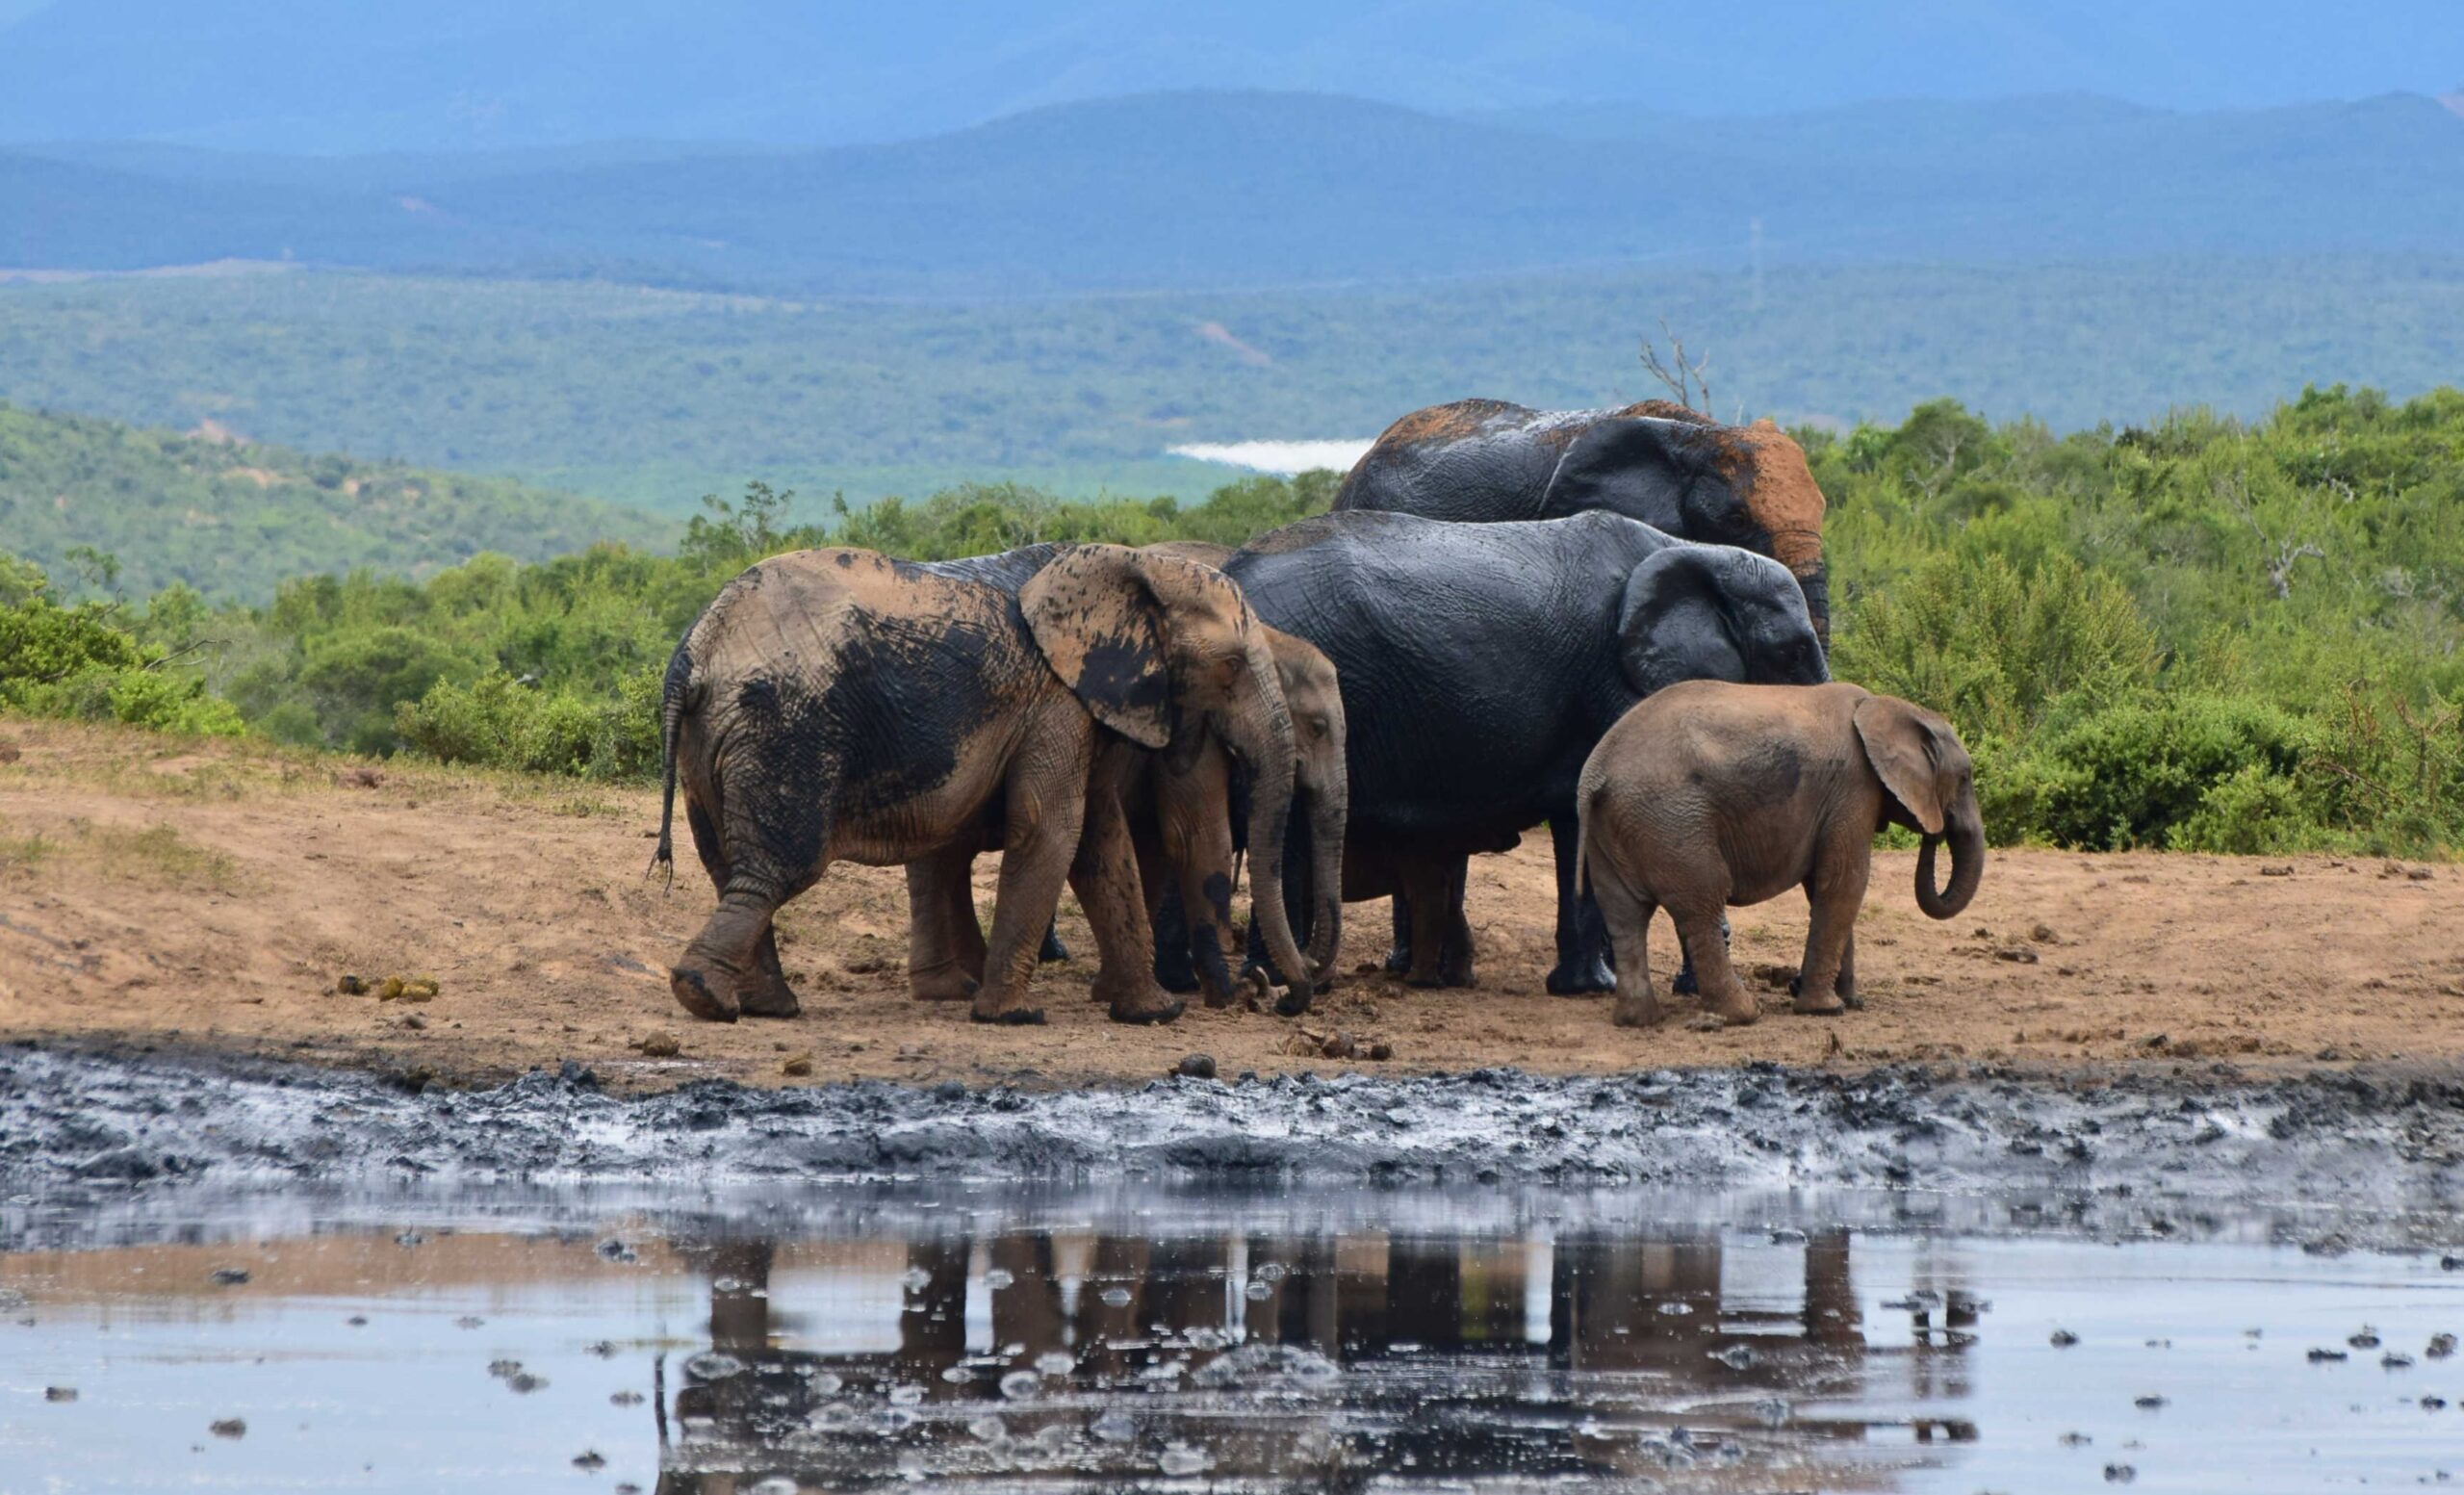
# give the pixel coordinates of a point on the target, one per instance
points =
(1229, 190)
(316, 77)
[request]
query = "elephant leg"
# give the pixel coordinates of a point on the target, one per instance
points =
(1628, 914)
(1398, 955)
(1039, 843)
(1175, 961)
(944, 944)
(1699, 925)
(1846, 986)
(709, 979)
(1160, 882)
(1105, 874)
(1582, 938)
(1193, 875)
(1684, 985)
(1835, 892)
(1426, 882)
(766, 993)
(1454, 943)
(1053, 952)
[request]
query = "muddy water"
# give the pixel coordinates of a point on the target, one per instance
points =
(816, 1340)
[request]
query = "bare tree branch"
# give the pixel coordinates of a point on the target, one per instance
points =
(1682, 376)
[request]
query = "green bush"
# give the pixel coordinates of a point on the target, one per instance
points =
(80, 662)
(498, 720)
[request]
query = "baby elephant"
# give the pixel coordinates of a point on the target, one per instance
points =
(1710, 794)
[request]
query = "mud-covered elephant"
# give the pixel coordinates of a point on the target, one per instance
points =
(835, 705)
(1711, 795)
(1674, 469)
(1187, 807)
(1478, 666)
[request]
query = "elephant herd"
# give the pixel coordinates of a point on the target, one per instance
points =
(1358, 703)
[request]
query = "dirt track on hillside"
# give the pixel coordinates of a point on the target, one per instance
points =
(167, 896)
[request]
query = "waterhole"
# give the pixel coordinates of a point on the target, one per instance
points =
(850, 1339)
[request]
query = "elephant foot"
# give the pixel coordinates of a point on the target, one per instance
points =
(1582, 976)
(946, 985)
(1398, 960)
(1178, 976)
(1740, 1012)
(1010, 1017)
(1845, 999)
(1135, 1000)
(695, 995)
(771, 1002)
(1641, 1011)
(1159, 1009)
(1686, 984)
(1053, 950)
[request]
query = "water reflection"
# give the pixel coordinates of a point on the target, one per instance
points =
(1306, 1359)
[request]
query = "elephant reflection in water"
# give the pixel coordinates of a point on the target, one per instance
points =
(1086, 1313)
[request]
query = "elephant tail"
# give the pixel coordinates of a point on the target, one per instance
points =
(675, 695)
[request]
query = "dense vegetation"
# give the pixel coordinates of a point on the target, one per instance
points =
(654, 399)
(2201, 633)
(232, 519)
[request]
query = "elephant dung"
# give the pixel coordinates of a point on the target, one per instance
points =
(797, 1066)
(661, 1044)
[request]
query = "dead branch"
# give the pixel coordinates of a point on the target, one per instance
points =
(1682, 377)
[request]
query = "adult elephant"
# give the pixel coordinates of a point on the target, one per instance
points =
(1480, 663)
(1674, 469)
(835, 705)
(1180, 804)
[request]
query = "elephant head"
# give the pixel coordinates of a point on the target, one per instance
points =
(1678, 470)
(1158, 648)
(1715, 612)
(1311, 693)
(1932, 786)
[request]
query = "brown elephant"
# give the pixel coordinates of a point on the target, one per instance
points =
(1709, 795)
(1178, 803)
(836, 705)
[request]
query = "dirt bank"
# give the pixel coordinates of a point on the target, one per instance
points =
(209, 897)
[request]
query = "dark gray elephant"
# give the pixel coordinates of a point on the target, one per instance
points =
(1674, 469)
(1480, 664)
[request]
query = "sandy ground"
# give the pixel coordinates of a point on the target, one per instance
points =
(157, 894)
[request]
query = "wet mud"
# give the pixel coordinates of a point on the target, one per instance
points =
(2377, 1157)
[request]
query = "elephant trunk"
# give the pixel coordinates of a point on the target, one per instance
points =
(1966, 835)
(1262, 734)
(1328, 809)
(1815, 583)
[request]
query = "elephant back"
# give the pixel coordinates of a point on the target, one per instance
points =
(1473, 461)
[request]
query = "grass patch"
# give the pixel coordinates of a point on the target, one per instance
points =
(159, 853)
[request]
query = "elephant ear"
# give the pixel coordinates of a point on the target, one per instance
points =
(1904, 744)
(1100, 627)
(1635, 466)
(1673, 623)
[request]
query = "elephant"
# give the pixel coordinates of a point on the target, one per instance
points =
(1179, 804)
(1480, 664)
(1673, 468)
(836, 705)
(1711, 795)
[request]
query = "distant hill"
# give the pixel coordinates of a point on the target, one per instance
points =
(233, 518)
(321, 78)
(1221, 191)
(655, 397)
